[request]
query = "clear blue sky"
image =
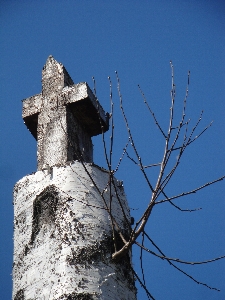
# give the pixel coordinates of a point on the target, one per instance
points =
(138, 39)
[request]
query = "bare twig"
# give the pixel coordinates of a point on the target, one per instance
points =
(152, 113)
(191, 192)
(121, 158)
(181, 209)
(145, 167)
(143, 286)
(180, 270)
(110, 161)
(130, 135)
(141, 257)
(163, 257)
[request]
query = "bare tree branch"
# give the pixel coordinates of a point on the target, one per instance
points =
(180, 270)
(182, 209)
(152, 113)
(177, 259)
(143, 286)
(145, 167)
(197, 136)
(129, 133)
(121, 158)
(191, 192)
(141, 258)
(162, 180)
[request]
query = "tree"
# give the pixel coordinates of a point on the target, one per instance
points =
(180, 136)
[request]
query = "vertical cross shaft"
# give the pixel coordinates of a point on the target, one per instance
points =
(63, 118)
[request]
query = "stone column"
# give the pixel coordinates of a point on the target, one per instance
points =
(63, 237)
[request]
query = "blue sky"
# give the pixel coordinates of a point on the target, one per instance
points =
(138, 39)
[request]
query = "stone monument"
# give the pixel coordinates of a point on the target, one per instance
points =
(63, 237)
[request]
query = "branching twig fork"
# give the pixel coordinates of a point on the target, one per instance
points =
(121, 158)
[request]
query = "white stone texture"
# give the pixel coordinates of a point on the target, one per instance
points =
(63, 236)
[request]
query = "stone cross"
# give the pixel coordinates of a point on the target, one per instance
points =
(63, 118)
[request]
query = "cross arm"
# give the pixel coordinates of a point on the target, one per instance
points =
(31, 109)
(86, 108)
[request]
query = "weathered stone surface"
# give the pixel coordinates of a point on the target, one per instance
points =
(63, 236)
(63, 118)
